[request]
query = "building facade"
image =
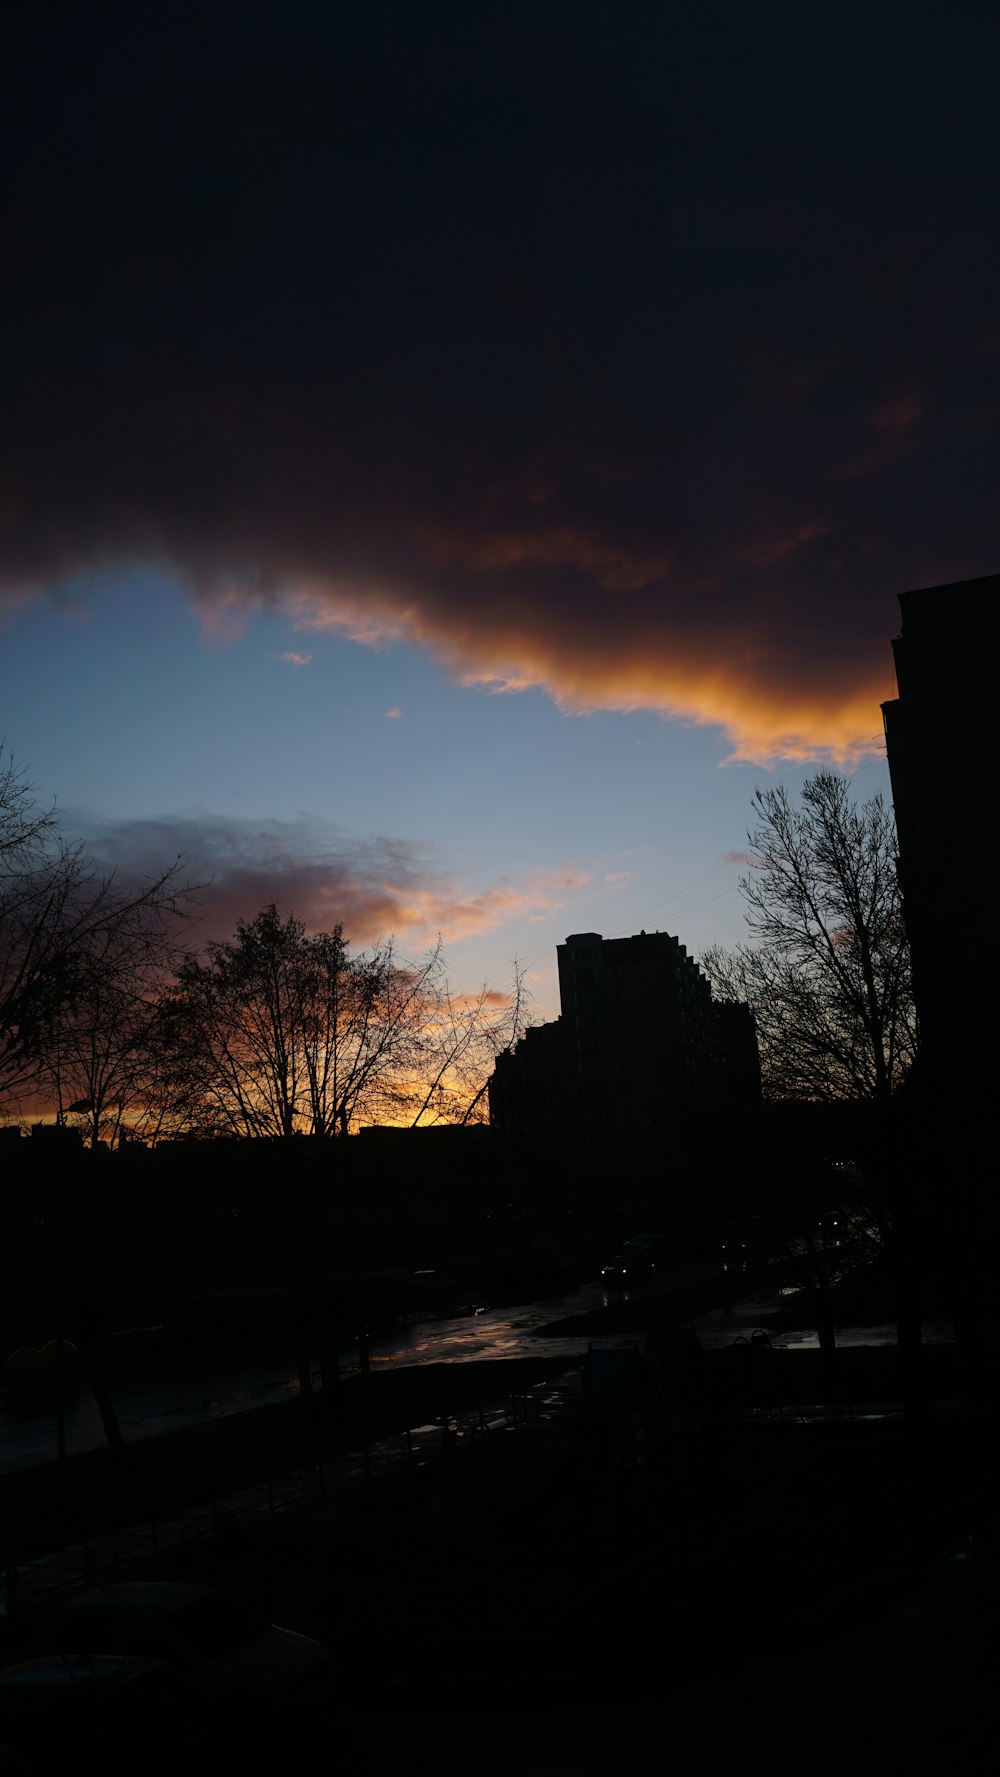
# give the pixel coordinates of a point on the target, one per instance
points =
(630, 1075)
(940, 737)
(940, 740)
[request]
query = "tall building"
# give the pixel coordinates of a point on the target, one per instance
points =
(527, 1094)
(941, 744)
(630, 1074)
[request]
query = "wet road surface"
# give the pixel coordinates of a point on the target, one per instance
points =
(144, 1410)
(27, 1438)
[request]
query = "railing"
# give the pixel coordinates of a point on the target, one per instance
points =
(206, 1520)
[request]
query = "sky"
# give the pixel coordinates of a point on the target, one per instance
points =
(450, 455)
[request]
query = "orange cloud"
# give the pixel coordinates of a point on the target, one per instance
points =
(438, 907)
(490, 998)
(731, 681)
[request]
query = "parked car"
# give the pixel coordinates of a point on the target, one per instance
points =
(112, 1713)
(221, 1645)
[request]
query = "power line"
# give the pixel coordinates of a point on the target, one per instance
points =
(688, 886)
(709, 900)
(696, 905)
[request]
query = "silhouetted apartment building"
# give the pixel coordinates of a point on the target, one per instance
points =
(527, 1096)
(629, 1074)
(941, 744)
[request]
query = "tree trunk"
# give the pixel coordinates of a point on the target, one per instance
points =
(93, 1299)
(909, 1320)
(900, 1147)
(325, 1329)
(329, 1366)
(303, 1363)
(825, 1330)
(963, 1306)
(91, 1354)
(294, 1295)
(909, 1340)
(908, 1316)
(971, 1238)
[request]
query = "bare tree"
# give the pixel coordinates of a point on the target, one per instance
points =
(78, 947)
(461, 1039)
(827, 972)
(37, 872)
(283, 1033)
(104, 1062)
(280, 1033)
(827, 975)
(81, 952)
(24, 829)
(828, 1224)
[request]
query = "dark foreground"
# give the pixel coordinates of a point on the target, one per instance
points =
(730, 1584)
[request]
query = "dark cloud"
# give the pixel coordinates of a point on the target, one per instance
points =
(374, 887)
(640, 357)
